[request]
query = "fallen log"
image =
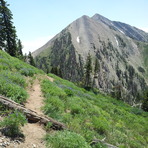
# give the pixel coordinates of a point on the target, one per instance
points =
(95, 141)
(31, 115)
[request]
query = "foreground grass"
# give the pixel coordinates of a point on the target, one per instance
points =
(94, 116)
(13, 73)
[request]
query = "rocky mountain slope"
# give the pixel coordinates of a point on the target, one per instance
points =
(120, 50)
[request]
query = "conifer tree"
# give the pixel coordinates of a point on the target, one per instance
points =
(25, 57)
(97, 67)
(7, 30)
(88, 71)
(31, 60)
(1, 37)
(96, 70)
(19, 50)
(145, 101)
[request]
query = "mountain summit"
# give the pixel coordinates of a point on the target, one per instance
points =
(119, 49)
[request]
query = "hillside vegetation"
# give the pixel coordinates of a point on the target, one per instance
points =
(88, 115)
(94, 116)
(12, 77)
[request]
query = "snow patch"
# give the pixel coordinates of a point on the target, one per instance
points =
(121, 31)
(78, 39)
(116, 41)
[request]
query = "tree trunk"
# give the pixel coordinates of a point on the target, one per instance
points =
(31, 115)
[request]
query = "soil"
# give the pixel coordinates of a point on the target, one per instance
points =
(35, 100)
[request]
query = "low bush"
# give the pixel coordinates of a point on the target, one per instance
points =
(14, 77)
(12, 90)
(50, 88)
(53, 107)
(12, 123)
(27, 71)
(76, 109)
(100, 124)
(69, 92)
(66, 139)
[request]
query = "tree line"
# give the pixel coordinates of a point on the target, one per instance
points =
(9, 42)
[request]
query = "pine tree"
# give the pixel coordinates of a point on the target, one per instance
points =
(1, 36)
(97, 67)
(7, 30)
(31, 60)
(145, 101)
(25, 57)
(96, 70)
(19, 50)
(88, 71)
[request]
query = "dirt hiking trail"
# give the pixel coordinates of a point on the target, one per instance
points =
(34, 132)
(35, 100)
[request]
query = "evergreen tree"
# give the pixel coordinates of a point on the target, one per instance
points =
(96, 70)
(19, 50)
(7, 30)
(145, 101)
(25, 57)
(54, 70)
(31, 60)
(97, 67)
(1, 36)
(88, 71)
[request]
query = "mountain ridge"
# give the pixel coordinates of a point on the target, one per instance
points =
(95, 17)
(124, 28)
(119, 55)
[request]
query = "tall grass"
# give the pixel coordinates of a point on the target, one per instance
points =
(12, 77)
(94, 116)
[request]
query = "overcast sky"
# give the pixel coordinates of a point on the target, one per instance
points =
(37, 21)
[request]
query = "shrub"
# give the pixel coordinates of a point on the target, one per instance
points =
(66, 139)
(50, 88)
(53, 106)
(12, 124)
(14, 77)
(136, 111)
(100, 124)
(12, 90)
(69, 92)
(141, 69)
(76, 109)
(27, 72)
(3, 110)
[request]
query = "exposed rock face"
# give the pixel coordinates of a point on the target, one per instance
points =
(118, 47)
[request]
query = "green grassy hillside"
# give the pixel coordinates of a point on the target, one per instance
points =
(94, 116)
(12, 77)
(87, 115)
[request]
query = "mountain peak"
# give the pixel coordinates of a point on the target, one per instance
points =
(98, 17)
(85, 16)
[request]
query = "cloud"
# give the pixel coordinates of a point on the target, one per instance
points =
(32, 45)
